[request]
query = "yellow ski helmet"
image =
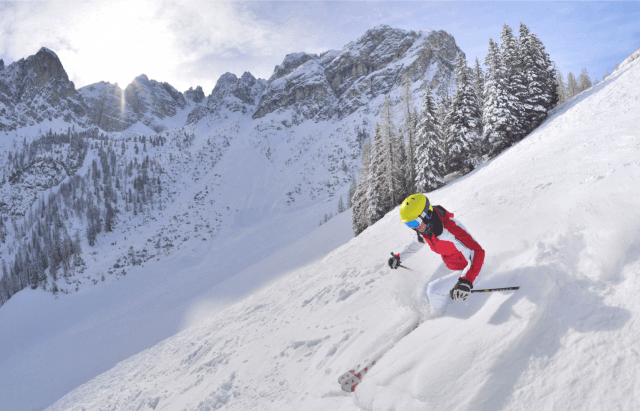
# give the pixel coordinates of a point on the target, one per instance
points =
(413, 206)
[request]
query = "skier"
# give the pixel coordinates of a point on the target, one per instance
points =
(445, 236)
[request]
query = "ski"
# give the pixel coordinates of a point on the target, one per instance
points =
(350, 379)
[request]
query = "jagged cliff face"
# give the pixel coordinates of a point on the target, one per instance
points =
(196, 95)
(147, 101)
(38, 88)
(107, 107)
(236, 94)
(331, 85)
(337, 83)
(151, 101)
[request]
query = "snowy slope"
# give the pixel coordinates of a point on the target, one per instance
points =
(557, 215)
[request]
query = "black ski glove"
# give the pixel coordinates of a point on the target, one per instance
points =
(394, 262)
(461, 290)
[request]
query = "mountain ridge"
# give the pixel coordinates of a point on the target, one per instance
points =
(335, 83)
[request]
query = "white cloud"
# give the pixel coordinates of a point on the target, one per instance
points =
(183, 43)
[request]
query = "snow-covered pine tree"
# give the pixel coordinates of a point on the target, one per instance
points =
(572, 85)
(392, 160)
(500, 124)
(550, 79)
(531, 78)
(477, 76)
(352, 190)
(463, 135)
(341, 206)
(429, 169)
(515, 86)
(442, 108)
(409, 122)
(560, 86)
(584, 82)
(378, 190)
(359, 203)
(539, 78)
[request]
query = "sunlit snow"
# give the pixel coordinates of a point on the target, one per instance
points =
(557, 215)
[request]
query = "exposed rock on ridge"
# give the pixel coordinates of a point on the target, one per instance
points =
(196, 95)
(340, 82)
(147, 101)
(236, 94)
(38, 88)
(333, 84)
(107, 107)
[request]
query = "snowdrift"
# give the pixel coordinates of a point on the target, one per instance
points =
(557, 215)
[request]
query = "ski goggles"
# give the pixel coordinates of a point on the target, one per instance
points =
(426, 215)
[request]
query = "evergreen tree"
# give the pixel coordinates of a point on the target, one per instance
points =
(514, 82)
(584, 82)
(442, 109)
(109, 219)
(409, 122)
(352, 190)
(341, 205)
(359, 203)
(501, 128)
(478, 88)
(464, 122)
(392, 159)
(539, 78)
(572, 86)
(561, 86)
(429, 169)
(378, 190)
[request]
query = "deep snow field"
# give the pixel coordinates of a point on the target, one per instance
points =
(558, 215)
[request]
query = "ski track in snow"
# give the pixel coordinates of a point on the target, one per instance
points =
(557, 215)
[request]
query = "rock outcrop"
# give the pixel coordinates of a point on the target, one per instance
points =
(337, 83)
(107, 107)
(236, 94)
(333, 84)
(37, 88)
(147, 101)
(197, 95)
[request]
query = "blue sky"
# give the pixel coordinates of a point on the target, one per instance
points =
(189, 43)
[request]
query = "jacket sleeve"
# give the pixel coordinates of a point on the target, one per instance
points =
(412, 248)
(476, 253)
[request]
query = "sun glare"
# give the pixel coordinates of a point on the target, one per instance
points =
(119, 42)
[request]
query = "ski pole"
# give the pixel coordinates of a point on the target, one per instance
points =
(488, 290)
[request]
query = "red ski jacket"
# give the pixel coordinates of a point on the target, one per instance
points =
(456, 246)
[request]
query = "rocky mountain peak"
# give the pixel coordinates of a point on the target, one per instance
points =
(236, 93)
(340, 82)
(37, 88)
(46, 65)
(196, 95)
(226, 82)
(290, 63)
(141, 79)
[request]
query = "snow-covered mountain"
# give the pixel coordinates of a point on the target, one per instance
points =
(149, 102)
(219, 196)
(338, 83)
(36, 89)
(557, 214)
(333, 84)
(84, 207)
